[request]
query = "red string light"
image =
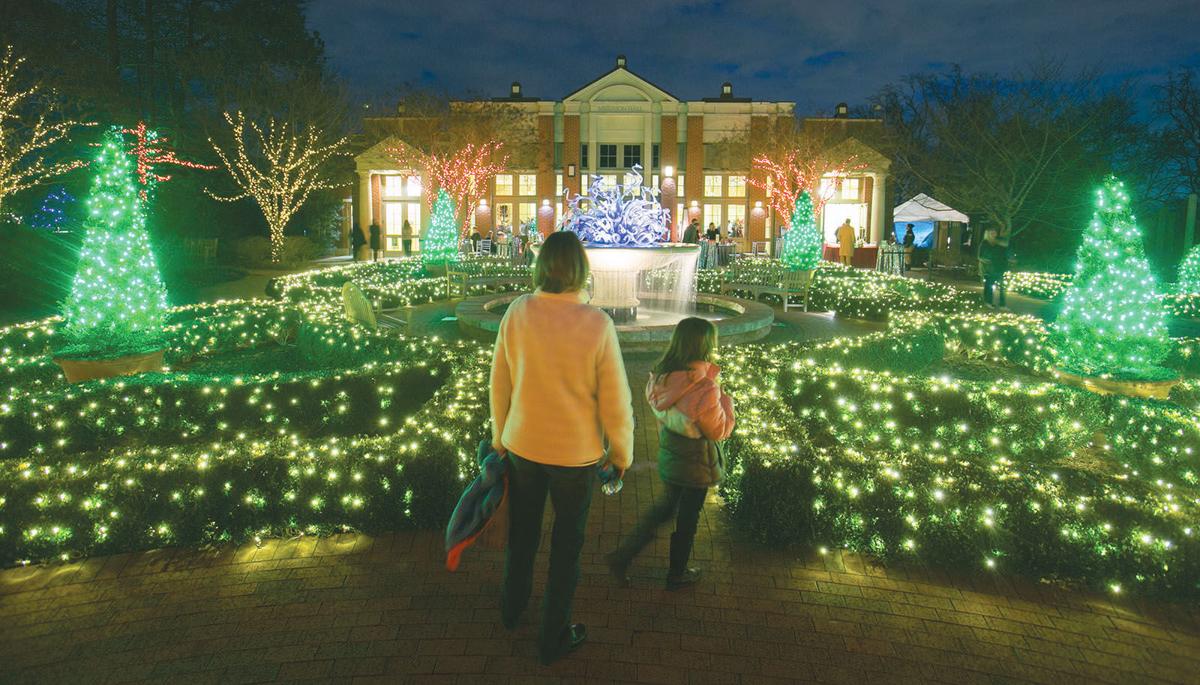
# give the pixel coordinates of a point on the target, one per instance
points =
(464, 174)
(150, 151)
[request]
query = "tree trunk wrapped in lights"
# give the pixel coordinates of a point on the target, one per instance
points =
(278, 169)
(1113, 322)
(24, 140)
(465, 173)
(118, 301)
(802, 244)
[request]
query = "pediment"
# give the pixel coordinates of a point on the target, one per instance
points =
(620, 85)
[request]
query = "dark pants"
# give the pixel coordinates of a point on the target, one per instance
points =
(682, 503)
(570, 491)
(407, 242)
(993, 282)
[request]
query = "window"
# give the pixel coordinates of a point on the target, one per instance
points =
(608, 156)
(527, 184)
(712, 215)
(712, 187)
(609, 180)
(736, 214)
(558, 185)
(654, 156)
(393, 186)
(681, 219)
(633, 155)
(583, 162)
(850, 188)
(504, 184)
(679, 184)
(737, 186)
(654, 181)
(525, 212)
(503, 214)
(558, 212)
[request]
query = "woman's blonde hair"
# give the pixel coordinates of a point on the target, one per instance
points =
(562, 265)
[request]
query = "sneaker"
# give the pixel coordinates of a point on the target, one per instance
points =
(618, 568)
(688, 578)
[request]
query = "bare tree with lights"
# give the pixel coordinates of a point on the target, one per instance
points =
(278, 167)
(464, 173)
(794, 161)
(27, 132)
(1006, 148)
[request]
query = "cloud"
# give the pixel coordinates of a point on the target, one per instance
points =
(690, 47)
(825, 58)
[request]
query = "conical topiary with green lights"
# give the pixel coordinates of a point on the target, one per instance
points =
(117, 302)
(1188, 280)
(802, 244)
(441, 242)
(1113, 322)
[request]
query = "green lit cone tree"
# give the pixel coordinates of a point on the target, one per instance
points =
(802, 244)
(1113, 322)
(1188, 280)
(117, 303)
(440, 244)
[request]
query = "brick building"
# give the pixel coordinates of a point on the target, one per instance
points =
(697, 152)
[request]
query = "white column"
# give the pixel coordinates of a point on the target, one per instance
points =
(593, 148)
(879, 214)
(648, 145)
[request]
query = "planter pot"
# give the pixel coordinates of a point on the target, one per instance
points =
(1157, 390)
(79, 370)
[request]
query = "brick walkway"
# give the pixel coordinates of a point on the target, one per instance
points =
(361, 609)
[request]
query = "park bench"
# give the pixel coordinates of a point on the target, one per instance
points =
(791, 284)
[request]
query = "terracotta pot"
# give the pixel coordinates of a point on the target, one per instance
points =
(79, 370)
(1157, 390)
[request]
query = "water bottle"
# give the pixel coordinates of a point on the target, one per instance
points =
(610, 482)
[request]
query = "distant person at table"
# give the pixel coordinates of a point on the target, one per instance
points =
(910, 242)
(691, 234)
(712, 233)
(375, 242)
(993, 263)
(406, 236)
(845, 238)
(475, 238)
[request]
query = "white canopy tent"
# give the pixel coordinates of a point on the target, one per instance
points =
(925, 208)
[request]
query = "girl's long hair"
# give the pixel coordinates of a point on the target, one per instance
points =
(694, 340)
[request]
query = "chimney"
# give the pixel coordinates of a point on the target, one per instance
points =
(842, 111)
(727, 90)
(515, 89)
(620, 61)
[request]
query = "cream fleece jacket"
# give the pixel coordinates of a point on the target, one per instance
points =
(558, 384)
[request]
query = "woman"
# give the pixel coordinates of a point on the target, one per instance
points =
(693, 415)
(910, 242)
(375, 245)
(558, 389)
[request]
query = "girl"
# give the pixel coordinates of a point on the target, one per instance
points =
(693, 415)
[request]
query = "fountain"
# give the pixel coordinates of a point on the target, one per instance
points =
(645, 283)
(624, 230)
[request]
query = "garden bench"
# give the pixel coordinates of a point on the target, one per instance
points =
(793, 283)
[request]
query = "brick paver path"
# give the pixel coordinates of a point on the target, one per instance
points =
(383, 609)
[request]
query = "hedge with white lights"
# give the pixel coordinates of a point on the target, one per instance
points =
(1010, 473)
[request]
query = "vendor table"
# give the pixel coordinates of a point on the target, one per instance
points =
(865, 256)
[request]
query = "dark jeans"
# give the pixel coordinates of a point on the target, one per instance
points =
(570, 491)
(991, 283)
(407, 242)
(682, 503)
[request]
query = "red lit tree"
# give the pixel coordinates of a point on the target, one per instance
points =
(464, 174)
(150, 151)
(796, 165)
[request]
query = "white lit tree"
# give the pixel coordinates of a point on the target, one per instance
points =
(278, 167)
(27, 132)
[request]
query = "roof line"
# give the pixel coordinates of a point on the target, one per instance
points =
(612, 71)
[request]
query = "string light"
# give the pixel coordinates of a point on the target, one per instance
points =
(24, 162)
(1112, 321)
(802, 245)
(151, 151)
(117, 298)
(441, 243)
(465, 174)
(278, 169)
(800, 169)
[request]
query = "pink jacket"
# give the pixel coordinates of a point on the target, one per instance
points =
(691, 403)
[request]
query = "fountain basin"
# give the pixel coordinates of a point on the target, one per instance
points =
(617, 277)
(737, 321)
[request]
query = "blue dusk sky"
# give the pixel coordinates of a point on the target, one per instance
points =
(813, 53)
